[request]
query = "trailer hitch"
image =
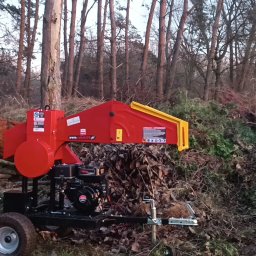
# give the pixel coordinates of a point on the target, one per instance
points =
(154, 221)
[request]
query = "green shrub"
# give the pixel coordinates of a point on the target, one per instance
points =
(222, 248)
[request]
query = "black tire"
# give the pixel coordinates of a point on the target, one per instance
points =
(17, 235)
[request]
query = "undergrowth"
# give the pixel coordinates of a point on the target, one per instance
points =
(220, 165)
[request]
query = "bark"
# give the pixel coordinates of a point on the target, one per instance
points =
(176, 50)
(31, 43)
(100, 45)
(100, 54)
(71, 57)
(161, 50)
(28, 68)
(222, 50)
(81, 46)
(21, 47)
(231, 64)
(168, 51)
(127, 78)
(65, 38)
(84, 14)
(50, 69)
(246, 59)
(99, 50)
(231, 45)
(113, 50)
(212, 49)
(146, 46)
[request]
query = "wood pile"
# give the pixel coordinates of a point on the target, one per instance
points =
(135, 172)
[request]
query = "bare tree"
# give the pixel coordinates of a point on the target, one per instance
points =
(146, 45)
(84, 14)
(81, 46)
(21, 46)
(113, 50)
(31, 38)
(65, 39)
(161, 50)
(50, 69)
(127, 78)
(70, 81)
(168, 46)
(211, 53)
(100, 46)
(247, 56)
(176, 49)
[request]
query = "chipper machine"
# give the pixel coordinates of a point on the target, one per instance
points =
(40, 148)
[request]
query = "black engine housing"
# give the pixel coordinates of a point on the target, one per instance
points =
(84, 197)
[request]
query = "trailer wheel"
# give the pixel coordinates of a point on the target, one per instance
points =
(17, 235)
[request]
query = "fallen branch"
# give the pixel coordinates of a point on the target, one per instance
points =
(4, 162)
(5, 176)
(8, 171)
(251, 124)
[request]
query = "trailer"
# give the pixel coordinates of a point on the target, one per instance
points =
(78, 193)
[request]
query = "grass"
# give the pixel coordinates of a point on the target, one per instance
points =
(67, 248)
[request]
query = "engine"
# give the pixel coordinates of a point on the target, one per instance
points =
(86, 198)
(84, 186)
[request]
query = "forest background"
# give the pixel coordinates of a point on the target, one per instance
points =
(199, 46)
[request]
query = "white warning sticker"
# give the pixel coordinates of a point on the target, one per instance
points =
(154, 134)
(39, 121)
(73, 121)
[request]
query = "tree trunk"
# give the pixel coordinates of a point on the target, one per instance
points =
(212, 49)
(71, 59)
(100, 47)
(99, 51)
(28, 67)
(176, 50)
(31, 42)
(21, 46)
(168, 46)
(246, 59)
(65, 38)
(113, 50)
(161, 50)
(146, 46)
(231, 45)
(84, 14)
(127, 78)
(50, 70)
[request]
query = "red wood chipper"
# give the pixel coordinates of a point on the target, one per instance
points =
(40, 149)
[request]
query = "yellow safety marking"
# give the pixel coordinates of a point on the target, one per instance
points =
(119, 134)
(182, 126)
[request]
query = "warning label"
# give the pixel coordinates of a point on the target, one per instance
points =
(73, 121)
(154, 134)
(39, 121)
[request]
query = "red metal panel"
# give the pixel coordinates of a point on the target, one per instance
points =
(43, 139)
(66, 155)
(42, 125)
(34, 158)
(13, 138)
(92, 125)
(100, 125)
